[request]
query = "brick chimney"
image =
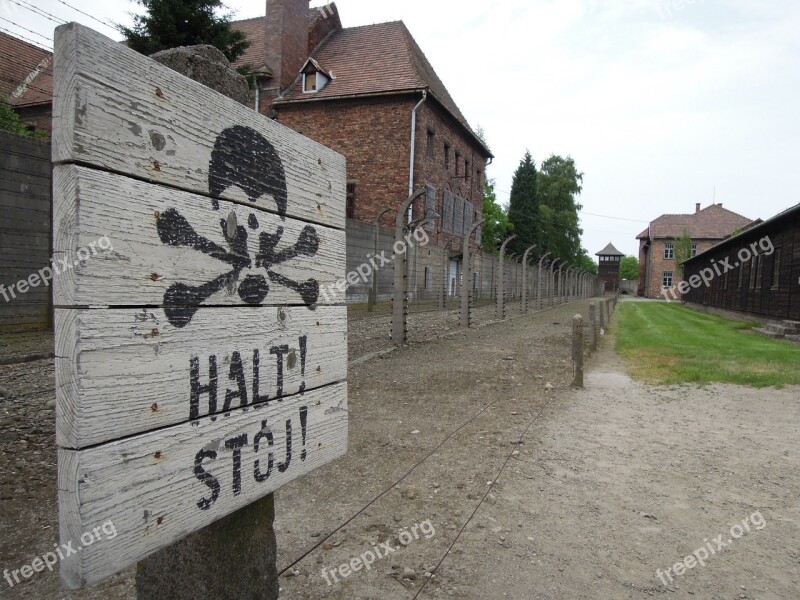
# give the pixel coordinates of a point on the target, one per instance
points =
(697, 208)
(287, 39)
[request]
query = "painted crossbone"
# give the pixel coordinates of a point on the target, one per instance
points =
(236, 148)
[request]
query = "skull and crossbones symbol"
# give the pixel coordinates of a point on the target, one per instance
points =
(244, 158)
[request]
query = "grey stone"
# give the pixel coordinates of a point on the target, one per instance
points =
(209, 66)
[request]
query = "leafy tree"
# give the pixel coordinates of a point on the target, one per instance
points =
(559, 184)
(496, 228)
(172, 23)
(10, 121)
(629, 268)
(586, 262)
(683, 248)
(523, 208)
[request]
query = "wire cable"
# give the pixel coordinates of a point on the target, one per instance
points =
(39, 11)
(483, 499)
(75, 8)
(27, 39)
(25, 28)
(389, 489)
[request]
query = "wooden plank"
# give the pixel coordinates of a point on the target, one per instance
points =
(119, 110)
(128, 371)
(157, 488)
(170, 247)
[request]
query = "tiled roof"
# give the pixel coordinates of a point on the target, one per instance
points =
(20, 60)
(712, 223)
(256, 31)
(376, 60)
(609, 250)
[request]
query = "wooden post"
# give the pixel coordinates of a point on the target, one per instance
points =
(466, 286)
(400, 300)
(577, 350)
(183, 360)
(501, 280)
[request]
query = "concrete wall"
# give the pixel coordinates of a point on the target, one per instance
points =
(25, 225)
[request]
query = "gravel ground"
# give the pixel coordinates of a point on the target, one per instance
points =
(518, 486)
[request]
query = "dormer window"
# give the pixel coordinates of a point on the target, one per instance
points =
(314, 77)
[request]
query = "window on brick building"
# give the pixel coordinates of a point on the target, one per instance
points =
(431, 142)
(669, 251)
(447, 157)
(458, 160)
(466, 171)
(667, 282)
(478, 180)
(314, 78)
(694, 249)
(351, 200)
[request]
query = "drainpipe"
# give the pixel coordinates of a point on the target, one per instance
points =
(258, 97)
(414, 147)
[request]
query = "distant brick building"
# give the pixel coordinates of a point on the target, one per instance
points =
(369, 93)
(707, 227)
(26, 80)
(609, 261)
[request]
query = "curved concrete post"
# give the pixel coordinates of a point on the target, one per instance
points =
(566, 295)
(539, 283)
(501, 284)
(400, 299)
(466, 278)
(509, 262)
(552, 283)
(373, 296)
(525, 280)
(445, 272)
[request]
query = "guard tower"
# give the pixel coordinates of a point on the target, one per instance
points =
(608, 267)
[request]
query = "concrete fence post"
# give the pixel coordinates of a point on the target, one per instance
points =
(501, 307)
(467, 298)
(525, 280)
(373, 294)
(601, 313)
(592, 327)
(400, 299)
(577, 350)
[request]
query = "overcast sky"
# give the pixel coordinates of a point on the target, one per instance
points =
(660, 102)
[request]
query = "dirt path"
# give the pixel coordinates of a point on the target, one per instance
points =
(608, 484)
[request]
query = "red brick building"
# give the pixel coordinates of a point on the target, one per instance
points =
(26, 81)
(658, 270)
(609, 261)
(369, 93)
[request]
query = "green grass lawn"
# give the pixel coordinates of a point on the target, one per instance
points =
(668, 343)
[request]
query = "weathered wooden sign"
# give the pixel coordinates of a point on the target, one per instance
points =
(198, 367)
